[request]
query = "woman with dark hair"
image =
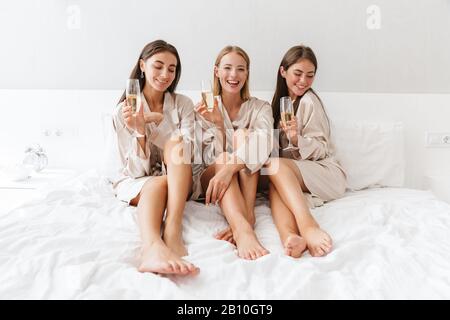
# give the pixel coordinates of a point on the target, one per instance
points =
(236, 142)
(309, 173)
(155, 175)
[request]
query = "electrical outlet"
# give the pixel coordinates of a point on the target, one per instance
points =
(438, 139)
(60, 132)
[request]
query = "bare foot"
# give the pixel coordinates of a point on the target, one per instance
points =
(175, 243)
(294, 246)
(158, 258)
(248, 246)
(318, 241)
(227, 235)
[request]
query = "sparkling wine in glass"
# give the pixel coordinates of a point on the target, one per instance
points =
(287, 113)
(133, 96)
(207, 95)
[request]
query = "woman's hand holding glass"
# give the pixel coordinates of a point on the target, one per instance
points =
(135, 122)
(215, 115)
(291, 129)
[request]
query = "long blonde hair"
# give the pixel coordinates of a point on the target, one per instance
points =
(245, 91)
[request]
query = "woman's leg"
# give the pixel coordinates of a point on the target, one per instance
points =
(288, 181)
(179, 180)
(234, 209)
(248, 184)
(284, 220)
(155, 255)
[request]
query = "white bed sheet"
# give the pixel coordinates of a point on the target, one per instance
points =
(79, 242)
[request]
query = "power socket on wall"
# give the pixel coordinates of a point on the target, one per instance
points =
(59, 132)
(438, 139)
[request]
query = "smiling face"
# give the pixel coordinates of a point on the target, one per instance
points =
(299, 77)
(160, 70)
(232, 72)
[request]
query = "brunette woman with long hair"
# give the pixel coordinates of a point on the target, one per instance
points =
(152, 177)
(308, 174)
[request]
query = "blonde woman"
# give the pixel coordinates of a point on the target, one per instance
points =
(231, 159)
(152, 178)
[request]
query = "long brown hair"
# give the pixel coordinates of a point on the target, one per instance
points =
(149, 50)
(292, 56)
(245, 91)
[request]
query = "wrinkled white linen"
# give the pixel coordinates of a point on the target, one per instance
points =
(79, 242)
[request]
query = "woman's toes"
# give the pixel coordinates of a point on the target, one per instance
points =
(221, 234)
(260, 253)
(184, 268)
(195, 271)
(319, 251)
(325, 248)
(167, 267)
(190, 267)
(324, 245)
(175, 266)
(287, 251)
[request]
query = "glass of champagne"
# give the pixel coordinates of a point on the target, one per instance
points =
(287, 113)
(207, 95)
(133, 96)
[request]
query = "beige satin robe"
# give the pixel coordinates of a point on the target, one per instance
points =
(322, 174)
(138, 165)
(256, 117)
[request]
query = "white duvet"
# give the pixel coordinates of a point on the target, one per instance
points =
(79, 242)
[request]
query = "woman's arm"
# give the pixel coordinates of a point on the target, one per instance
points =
(258, 145)
(134, 152)
(312, 141)
(213, 132)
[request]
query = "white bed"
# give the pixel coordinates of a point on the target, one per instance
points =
(79, 242)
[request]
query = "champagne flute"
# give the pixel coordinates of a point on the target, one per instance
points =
(207, 95)
(133, 96)
(287, 113)
(217, 101)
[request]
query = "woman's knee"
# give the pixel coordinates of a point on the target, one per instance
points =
(273, 166)
(177, 152)
(239, 137)
(246, 174)
(156, 183)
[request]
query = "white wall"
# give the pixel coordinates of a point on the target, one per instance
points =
(82, 44)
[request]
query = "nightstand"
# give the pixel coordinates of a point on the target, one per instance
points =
(15, 193)
(439, 185)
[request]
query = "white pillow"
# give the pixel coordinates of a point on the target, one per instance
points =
(371, 153)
